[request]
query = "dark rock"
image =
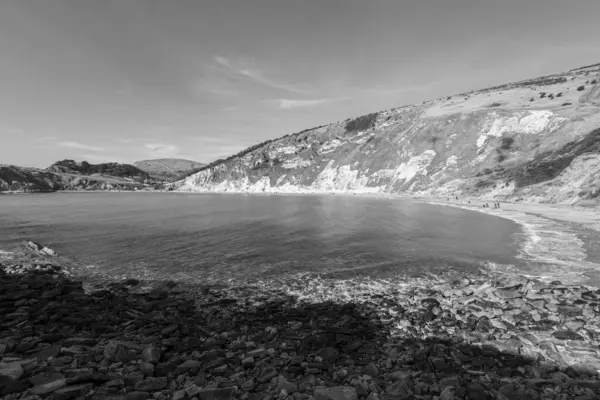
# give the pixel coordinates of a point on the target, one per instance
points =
(163, 369)
(329, 354)
(372, 370)
(477, 392)
(49, 387)
(72, 392)
(151, 384)
(117, 351)
(567, 335)
(151, 354)
(137, 395)
(48, 352)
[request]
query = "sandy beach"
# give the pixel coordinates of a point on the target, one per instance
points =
(586, 217)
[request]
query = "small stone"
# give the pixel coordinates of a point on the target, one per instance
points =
(574, 325)
(447, 393)
(440, 364)
(49, 387)
(151, 384)
(475, 391)
(137, 395)
(163, 369)
(329, 354)
(43, 378)
(179, 395)
(151, 354)
(117, 351)
(284, 384)
(48, 352)
(189, 365)
(248, 362)
(192, 390)
(509, 292)
(12, 371)
(146, 368)
(73, 391)
(372, 370)
(567, 335)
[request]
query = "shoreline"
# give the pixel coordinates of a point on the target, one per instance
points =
(473, 335)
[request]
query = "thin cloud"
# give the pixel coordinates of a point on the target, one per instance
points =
(286, 104)
(255, 75)
(80, 146)
(159, 147)
(163, 150)
(219, 89)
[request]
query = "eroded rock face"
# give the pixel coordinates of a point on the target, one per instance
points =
(494, 142)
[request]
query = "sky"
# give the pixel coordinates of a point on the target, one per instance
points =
(126, 80)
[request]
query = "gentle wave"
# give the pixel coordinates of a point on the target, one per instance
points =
(553, 250)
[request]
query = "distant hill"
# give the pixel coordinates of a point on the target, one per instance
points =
(85, 168)
(164, 168)
(20, 179)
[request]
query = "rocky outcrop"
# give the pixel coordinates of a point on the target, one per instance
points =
(531, 140)
(31, 180)
(465, 339)
(27, 180)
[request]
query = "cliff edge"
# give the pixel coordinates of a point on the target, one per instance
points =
(536, 140)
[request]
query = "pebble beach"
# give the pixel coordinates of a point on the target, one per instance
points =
(469, 337)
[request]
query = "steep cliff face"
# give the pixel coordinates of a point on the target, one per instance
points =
(533, 140)
(20, 179)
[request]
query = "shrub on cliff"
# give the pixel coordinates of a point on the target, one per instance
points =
(580, 88)
(361, 123)
(507, 143)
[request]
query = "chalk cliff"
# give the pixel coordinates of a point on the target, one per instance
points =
(535, 140)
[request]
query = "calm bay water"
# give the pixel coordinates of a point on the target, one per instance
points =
(222, 237)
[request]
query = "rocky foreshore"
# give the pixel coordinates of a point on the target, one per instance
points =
(470, 338)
